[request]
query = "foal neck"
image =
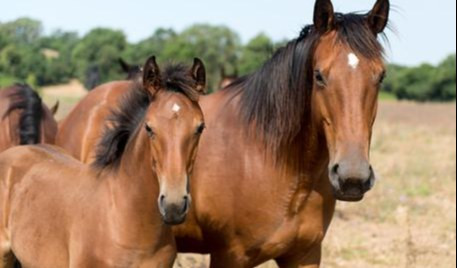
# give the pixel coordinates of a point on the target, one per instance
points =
(134, 193)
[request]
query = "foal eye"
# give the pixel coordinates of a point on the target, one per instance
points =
(149, 130)
(382, 78)
(200, 129)
(320, 80)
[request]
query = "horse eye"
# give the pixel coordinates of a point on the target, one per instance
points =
(200, 129)
(149, 130)
(320, 80)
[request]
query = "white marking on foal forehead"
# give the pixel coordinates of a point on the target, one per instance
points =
(353, 60)
(176, 108)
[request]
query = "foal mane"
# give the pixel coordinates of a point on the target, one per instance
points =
(24, 98)
(123, 122)
(275, 101)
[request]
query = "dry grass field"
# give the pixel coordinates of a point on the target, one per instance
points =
(409, 219)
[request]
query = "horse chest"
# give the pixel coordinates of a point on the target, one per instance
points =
(296, 235)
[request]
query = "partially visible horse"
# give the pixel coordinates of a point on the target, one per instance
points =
(227, 79)
(134, 72)
(93, 78)
(57, 212)
(24, 118)
(283, 144)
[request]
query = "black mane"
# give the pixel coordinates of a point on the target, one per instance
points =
(275, 101)
(24, 98)
(123, 122)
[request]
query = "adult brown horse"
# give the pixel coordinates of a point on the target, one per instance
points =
(24, 119)
(283, 144)
(57, 212)
(134, 72)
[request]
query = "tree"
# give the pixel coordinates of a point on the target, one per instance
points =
(256, 53)
(154, 45)
(100, 48)
(216, 45)
(24, 31)
(445, 80)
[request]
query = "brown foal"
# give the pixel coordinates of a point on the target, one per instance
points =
(57, 212)
(283, 144)
(24, 119)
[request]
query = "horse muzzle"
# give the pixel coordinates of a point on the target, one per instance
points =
(174, 212)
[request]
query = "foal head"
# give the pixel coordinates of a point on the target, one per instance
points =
(161, 122)
(174, 126)
(348, 72)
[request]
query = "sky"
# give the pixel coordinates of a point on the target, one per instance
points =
(425, 29)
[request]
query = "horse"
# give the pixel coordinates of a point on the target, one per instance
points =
(117, 212)
(133, 72)
(24, 118)
(226, 79)
(285, 143)
(93, 77)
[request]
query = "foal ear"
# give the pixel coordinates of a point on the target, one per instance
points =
(198, 73)
(378, 17)
(324, 16)
(152, 80)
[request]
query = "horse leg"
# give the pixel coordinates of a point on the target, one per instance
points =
(311, 260)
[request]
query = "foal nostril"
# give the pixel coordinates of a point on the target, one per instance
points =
(162, 200)
(335, 169)
(186, 204)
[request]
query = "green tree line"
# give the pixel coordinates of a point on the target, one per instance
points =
(29, 55)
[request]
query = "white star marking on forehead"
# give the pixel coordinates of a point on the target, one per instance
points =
(353, 60)
(176, 108)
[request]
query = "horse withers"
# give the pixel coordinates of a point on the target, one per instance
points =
(57, 212)
(285, 143)
(24, 118)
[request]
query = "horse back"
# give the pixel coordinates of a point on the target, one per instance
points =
(79, 132)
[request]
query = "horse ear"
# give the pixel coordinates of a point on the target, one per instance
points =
(124, 65)
(198, 73)
(152, 80)
(378, 17)
(324, 16)
(55, 108)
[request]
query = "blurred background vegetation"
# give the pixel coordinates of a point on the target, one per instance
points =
(28, 55)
